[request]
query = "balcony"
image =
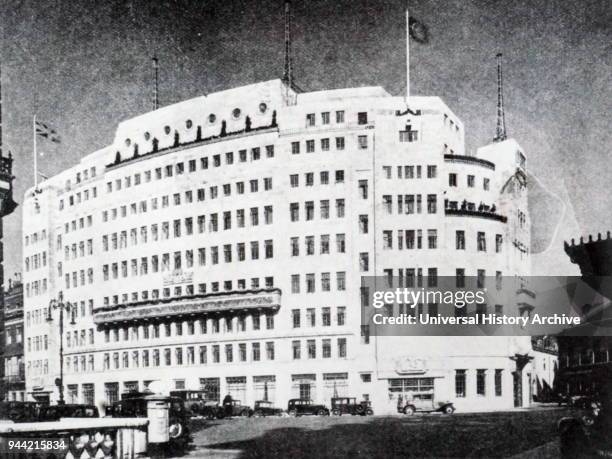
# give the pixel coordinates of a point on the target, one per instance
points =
(199, 140)
(191, 306)
(469, 209)
(469, 160)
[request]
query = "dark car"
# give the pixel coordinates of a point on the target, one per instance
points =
(587, 433)
(68, 410)
(135, 405)
(236, 408)
(265, 408)
(212, 410)
(423, 402)
(349, 405)
(20, 411)
(301, 407)
(197, 405)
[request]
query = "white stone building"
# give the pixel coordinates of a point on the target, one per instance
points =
(220, 243)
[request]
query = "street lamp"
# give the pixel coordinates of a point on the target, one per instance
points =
(62, 305)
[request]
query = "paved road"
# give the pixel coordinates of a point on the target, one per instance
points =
(504, 434)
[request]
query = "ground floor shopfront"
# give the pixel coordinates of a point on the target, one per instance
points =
(486, 384)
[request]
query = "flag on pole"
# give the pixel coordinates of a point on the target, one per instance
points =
(418, 31)
(47, 132)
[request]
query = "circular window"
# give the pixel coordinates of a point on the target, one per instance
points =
(212, 118)
(147, 135)
(189, 124)
(263, 107)
(236, 113)
(128, 142)
(167, 130)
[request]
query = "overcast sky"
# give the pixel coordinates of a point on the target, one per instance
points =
(84, 68)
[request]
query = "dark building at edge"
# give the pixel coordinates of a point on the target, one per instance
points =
(585, 365)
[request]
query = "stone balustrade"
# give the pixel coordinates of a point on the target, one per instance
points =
(124, 438)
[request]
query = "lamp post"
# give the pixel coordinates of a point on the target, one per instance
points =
(62, 305)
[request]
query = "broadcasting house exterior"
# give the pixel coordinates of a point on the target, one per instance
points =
(219, 243)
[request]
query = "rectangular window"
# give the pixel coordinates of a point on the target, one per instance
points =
(470, 181)
(295, 148)
(481, 382)
(362, 118)
(460, 383)
(481, 242)
(498, 382)
(460, 240)
(452, 179)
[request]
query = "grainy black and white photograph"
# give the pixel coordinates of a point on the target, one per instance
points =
(305, 229)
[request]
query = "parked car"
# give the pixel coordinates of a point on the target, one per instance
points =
(300, 407)
(349, 405)
(587, 433)
(236, 408)
(423, 402)
(68, 410)
(135, 405)
(212, 410)
(196, 403)
(20, 411)
(265, 408)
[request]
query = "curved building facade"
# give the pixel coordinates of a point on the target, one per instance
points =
(219, 243)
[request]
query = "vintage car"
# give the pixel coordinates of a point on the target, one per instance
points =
(423, 402)
(67, 410)
(236, 408)
(197, 405)
(349, 405)
(587, 432)
(265, 408)
(20, 411)
(135, 405)
(301, 407)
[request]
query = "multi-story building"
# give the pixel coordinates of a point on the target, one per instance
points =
(13, 363)
(220, 243)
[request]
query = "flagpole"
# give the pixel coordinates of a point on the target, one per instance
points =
(35, 154)
(407, 54)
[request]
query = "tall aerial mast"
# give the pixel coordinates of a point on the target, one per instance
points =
(288, 69)
(156, 88)
(500, 134)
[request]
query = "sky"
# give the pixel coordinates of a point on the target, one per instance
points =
(84, 66)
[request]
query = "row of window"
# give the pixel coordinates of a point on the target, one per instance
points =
(311, 317)
(162, 263)
(161, 231)
(79, 278)
(80, 223)
(310, 283)
(142, 206)
(410, 204)
(413, 277)
(81, 249)
(324, 245)
(79, 338)
(205, 326)
(178, 291)
(408, 172)
(36, 287)
(310, 348)
(309, 177)
(37, 367)
(325, 144)
(413, 239)
(33, 262)
(33, 238)
(309, 210)
(325, 117)
(470, 181)
(171, 170)
(79, 197)
(37, 343)
(188, 355)
(481, 382)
